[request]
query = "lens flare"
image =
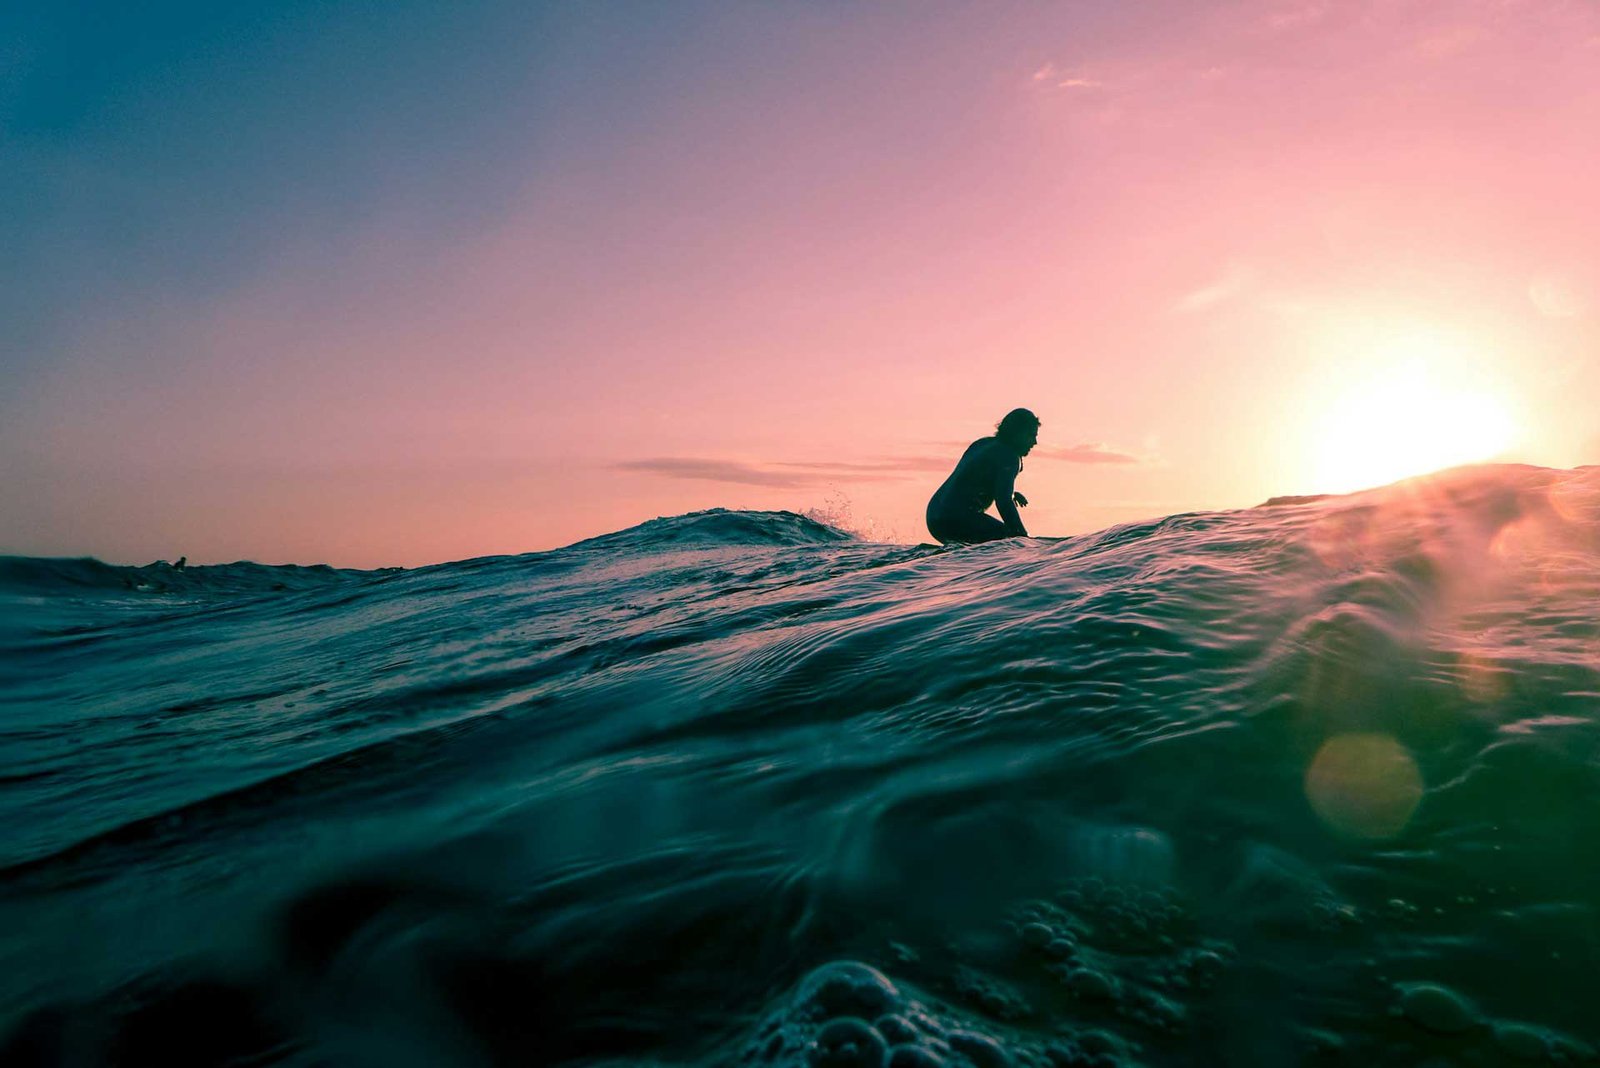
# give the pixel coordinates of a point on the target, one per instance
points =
(1364, 785)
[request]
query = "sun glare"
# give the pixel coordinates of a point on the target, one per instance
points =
(1407, 415)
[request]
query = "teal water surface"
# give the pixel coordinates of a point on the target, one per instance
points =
(1313, 782)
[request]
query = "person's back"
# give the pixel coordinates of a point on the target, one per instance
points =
(985, 475)
(971, 486)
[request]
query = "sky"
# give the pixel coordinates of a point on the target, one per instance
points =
(397, 283)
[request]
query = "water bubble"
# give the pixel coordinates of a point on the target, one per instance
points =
(849, 1043)
(1061, 949)
(909, 1056)
(1037, 935)
(1066, 1055)
(1521, 1041)
(1436, 1008)
(896, 1029)
(1099, 1042)
(980, 1049)
(848, 988)
(1089, 984)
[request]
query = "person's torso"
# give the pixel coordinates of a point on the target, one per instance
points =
(970, 487)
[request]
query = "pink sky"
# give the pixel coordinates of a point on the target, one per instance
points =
(788, 258)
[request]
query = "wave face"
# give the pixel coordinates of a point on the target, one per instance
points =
(1314, 782)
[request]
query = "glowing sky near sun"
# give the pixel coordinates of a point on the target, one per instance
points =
(393, 284)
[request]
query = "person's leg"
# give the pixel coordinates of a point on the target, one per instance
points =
(967, 529)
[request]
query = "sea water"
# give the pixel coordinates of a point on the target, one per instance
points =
(1313, 782)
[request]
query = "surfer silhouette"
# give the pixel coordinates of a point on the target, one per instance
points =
(985, 475)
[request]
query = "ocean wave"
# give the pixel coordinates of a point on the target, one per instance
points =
(1313, 780)
(716, 527)
(43, 576)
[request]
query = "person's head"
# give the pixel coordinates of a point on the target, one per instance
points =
(1019, 429)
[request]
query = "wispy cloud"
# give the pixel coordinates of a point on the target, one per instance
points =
(742, 474)
(1055, 77)
(781, 473)
(1450, 41)
(1232, 282)
(902, 463)
(1087, 453)
(1293, 16)
(1152, 507)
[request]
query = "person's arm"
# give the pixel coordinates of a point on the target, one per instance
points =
(1004, 501)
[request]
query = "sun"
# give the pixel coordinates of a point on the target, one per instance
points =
(1417, 407)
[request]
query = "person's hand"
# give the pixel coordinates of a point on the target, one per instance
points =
(1022, 502)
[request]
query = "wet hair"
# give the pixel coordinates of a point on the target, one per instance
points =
(1017, 423)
